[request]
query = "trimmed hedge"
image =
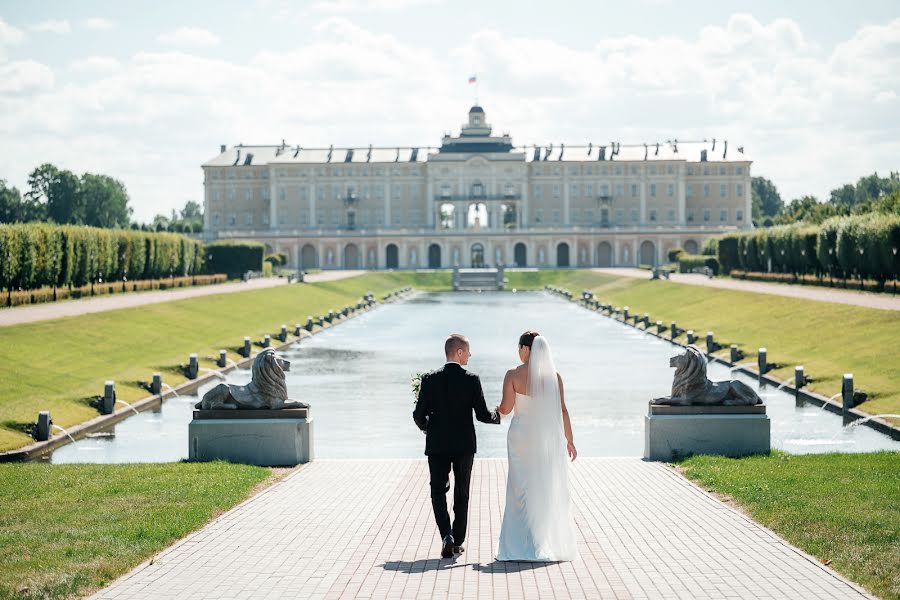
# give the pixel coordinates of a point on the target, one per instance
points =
(234, 258)
(36, 255)
(863, 246)
(47, 294)
(688, 262)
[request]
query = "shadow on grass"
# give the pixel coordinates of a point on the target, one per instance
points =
(18, 426)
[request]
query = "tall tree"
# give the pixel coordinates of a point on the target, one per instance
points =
(192, 211)
(767, 201)
(105, 201)
(12, 209)
(59, 192)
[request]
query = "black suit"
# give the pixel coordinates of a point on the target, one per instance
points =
(447, 398)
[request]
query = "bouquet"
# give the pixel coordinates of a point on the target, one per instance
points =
(416, 382)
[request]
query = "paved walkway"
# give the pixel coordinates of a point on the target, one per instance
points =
(363, 529)
(69, 308)
(865, 299)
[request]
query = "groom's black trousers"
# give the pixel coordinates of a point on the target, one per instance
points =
(439, 467)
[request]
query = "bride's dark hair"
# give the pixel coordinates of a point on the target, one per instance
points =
(527, 338)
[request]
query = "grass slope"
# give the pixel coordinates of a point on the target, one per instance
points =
(60, 365)
(839, 507)
(66, 530)
(828, 339)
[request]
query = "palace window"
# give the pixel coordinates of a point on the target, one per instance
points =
(231, 194)
(304, 217)
(706, 190)
(231, 174)
(634, 215)
(619, 216)
(576, 214)
(653, 190)
(690, 170)
(722, 170)
(689, 190)
(379, 216)
(604, 170)
(690, 215)
(670, 215)
(670, 170)
(320, 192)
(539, 215)
(620, 190)
(618, 170)
(670, 190)
(265, 193)
(604, 189)
(232, 219)
(556, 216)
(573, 170)
(722, 189)
(216, 219)
(304, 193)
(573, 190)
(706, 215)
(634, 190)
(320, 216)
(634, 170)
(706, 170)
(723, 215)
(248, 218)
(281, 217)
(248, 195)
(556, 191)
(589, 191)
(215, 195)
(653, 169)
(588, 215)
(281, 194)
(653, 215)
(537, 192)
(265, 218)
(738, 215)
(739, 170)
(740, 190)
(379, 192)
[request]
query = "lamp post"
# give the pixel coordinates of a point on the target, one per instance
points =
(56, 276)
(8, 272)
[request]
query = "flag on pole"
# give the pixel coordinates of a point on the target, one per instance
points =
(473, 79)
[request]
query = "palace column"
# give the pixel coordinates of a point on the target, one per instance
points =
(682, 194)
(311, 199)
(429, 202)
(273, 203)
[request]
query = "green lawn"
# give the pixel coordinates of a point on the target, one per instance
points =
(66, 530)
(839, 507)
(827, 339)
(60, 365)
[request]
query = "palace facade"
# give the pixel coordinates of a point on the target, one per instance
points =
(477, 200)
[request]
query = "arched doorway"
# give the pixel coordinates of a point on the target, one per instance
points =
(648, 254)
(434, 256)
(604, 254)
(690, 247)
(562, 255)
(477, 256)
(351, 256)
(308, 259)
(520, 252)
(392, 257)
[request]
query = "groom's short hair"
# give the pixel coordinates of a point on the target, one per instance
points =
(455, 341)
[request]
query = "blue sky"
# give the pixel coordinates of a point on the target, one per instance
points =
(146, 91)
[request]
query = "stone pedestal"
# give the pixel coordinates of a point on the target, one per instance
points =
(268, 438)
(671, 432)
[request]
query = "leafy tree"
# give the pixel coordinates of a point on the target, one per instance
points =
(59, 191)
(105, 201)
(192, 211)
(12, 209)
(767, 201)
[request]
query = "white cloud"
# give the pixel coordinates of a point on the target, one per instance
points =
(95, 65)
(51, 27)
(9, 36)
(98, 23)
(189, 37)
(356, 6)
(24, 76)
(151, 119)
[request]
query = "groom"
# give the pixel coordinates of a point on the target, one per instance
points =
(443, 411)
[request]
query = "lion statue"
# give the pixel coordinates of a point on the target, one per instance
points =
(691, 385)
(267, 390)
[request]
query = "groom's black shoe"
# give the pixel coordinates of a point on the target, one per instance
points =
(447, 548)
(458, 549)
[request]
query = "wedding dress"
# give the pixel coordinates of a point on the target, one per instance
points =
(537, 521)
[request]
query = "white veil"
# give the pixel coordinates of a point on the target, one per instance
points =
(543, 388)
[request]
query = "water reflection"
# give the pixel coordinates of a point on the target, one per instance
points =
(357, 378)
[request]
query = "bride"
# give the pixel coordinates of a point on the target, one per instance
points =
(537, 522)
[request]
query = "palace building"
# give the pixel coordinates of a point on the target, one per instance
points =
(477, 200)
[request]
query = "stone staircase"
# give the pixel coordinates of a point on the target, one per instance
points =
(476, 280)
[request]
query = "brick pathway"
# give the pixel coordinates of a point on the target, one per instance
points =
(363, 529)
(69, 308)
(805, 292)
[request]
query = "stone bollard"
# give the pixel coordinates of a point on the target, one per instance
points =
(734, 354)
(267, 341)
(309, 324)
(42, 429)
(156, 384)
(690, 336)
(193, 367)
(108, 403)
(282, 335)
(799, 380)
(710, 342)
(223, 359)
(297, 329)
(625, 312)
(659, 328)
(646, 320)
(245, 351)
(847, 392)
(673, 330)
(762, 364)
